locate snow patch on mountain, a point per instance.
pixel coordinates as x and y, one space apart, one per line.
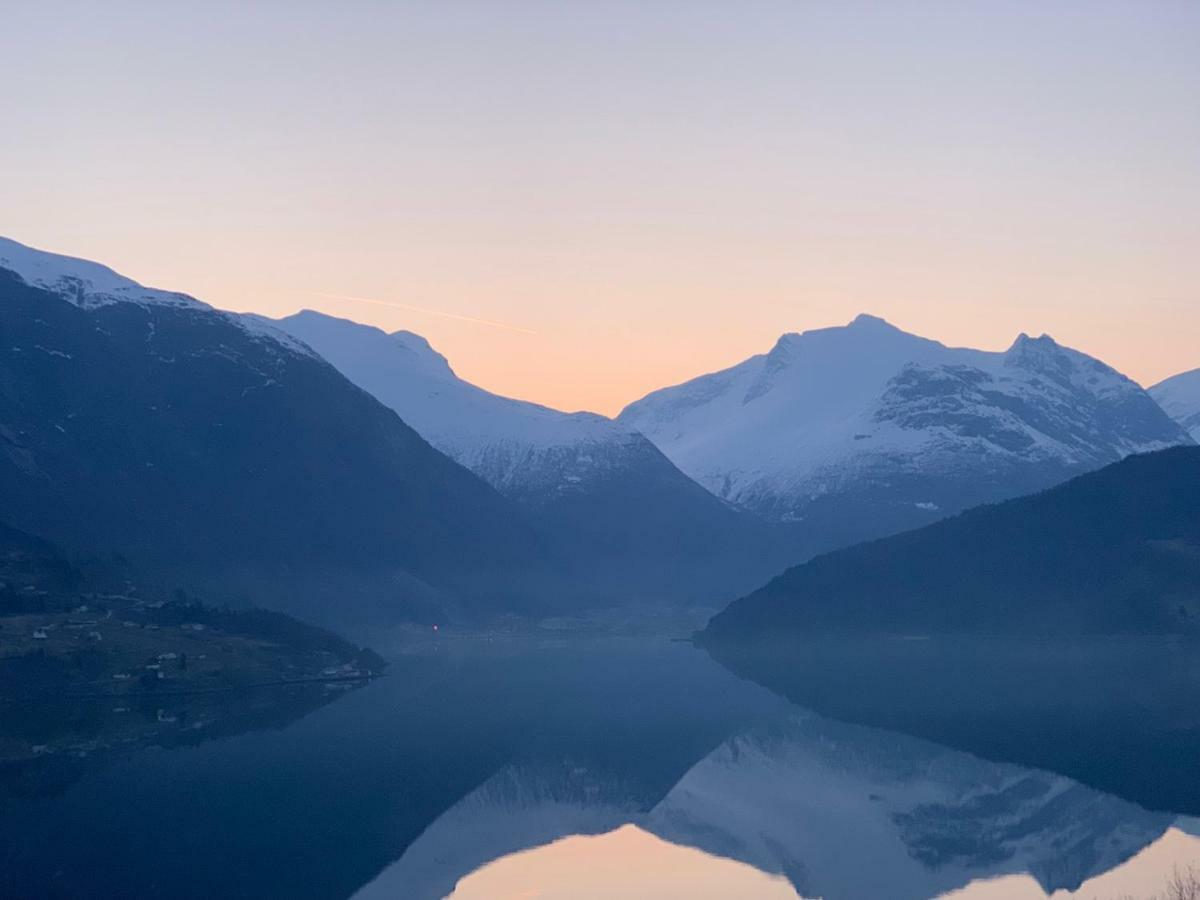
90 285
845 408
1180 397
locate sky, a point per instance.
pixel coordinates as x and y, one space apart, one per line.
578 203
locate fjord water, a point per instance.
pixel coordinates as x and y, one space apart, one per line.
641 767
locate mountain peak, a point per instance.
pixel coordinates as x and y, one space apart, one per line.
81 281
1043 340
338 339
90 285
1041 354
423 350
866 320
310 317
864 325
413 341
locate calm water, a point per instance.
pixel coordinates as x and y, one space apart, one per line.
638 767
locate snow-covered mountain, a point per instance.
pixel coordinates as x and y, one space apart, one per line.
524 450
846 811
632 526
865 429
211 451
1180 397
840 810
90 285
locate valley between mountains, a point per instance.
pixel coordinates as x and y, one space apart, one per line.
332 471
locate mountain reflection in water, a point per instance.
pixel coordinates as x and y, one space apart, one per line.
490 768
840 811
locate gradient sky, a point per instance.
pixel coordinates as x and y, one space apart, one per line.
644 190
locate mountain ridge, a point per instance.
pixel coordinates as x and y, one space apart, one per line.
621 515
865 430
234 461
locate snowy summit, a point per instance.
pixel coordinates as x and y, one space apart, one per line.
89 285
899 422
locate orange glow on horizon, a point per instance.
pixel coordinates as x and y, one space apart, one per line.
656 191
612 344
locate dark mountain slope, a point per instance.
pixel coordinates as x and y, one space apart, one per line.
229 461
633 529
648 533
31 571
1117 550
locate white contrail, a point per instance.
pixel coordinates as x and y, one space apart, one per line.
430 312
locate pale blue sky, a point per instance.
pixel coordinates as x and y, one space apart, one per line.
655 188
